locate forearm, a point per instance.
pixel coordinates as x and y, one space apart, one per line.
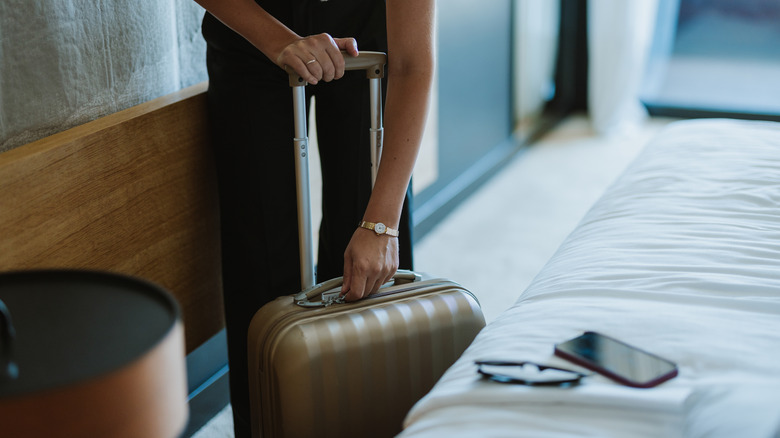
251 21
410 73
406 109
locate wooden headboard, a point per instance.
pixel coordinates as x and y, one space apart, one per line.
133 192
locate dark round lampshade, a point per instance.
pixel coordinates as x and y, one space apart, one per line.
90 354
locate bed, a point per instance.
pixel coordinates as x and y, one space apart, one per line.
681 257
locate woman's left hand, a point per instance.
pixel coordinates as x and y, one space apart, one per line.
317 57
370 261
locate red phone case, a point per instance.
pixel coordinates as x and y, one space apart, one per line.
584 362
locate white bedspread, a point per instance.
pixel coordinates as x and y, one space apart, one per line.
681 256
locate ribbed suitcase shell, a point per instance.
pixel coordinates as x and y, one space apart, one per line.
355 369
351 369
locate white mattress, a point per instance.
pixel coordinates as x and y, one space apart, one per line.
681 256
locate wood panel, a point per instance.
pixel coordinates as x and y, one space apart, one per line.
133 192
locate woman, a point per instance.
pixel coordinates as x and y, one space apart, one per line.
250 107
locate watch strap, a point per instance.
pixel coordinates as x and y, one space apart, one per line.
379 228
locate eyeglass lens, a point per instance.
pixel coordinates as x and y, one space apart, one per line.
528 372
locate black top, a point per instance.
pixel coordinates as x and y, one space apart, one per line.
363 20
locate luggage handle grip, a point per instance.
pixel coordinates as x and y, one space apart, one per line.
372 62
303 299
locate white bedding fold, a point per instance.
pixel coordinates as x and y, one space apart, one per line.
681 257
666 400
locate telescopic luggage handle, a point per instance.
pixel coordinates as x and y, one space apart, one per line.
373 63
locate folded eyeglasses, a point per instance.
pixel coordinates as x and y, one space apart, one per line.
528 373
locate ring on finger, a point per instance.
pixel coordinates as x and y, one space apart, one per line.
312 61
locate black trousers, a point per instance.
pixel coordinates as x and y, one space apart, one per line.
251 118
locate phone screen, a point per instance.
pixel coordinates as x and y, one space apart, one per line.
617 360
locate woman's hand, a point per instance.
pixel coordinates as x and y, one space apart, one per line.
369 262
317 57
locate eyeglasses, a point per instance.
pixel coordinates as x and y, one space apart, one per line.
527 373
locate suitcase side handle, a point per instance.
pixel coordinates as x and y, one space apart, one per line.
330 290
372 62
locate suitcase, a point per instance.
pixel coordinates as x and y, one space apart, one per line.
319 366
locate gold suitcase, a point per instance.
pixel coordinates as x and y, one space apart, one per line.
320 367
354 369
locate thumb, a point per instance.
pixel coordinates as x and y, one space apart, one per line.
347 44
345 285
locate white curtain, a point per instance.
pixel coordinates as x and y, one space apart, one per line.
536 41
619 40
66 62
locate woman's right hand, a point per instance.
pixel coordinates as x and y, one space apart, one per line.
317 57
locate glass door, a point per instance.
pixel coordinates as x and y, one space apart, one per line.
715 58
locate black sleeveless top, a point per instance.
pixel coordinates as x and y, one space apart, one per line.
363 20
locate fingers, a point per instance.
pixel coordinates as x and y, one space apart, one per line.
317 57
347 44
346 285
369 262
357 290
356 282
362 286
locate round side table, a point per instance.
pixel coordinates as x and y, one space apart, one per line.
89 354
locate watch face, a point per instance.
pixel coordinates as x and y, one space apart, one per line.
380 228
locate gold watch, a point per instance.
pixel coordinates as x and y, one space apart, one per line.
379 228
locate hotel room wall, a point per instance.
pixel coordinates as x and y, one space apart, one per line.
64 63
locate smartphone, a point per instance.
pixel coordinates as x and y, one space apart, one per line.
617 360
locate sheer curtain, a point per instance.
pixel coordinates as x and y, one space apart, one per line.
535 42
66 62
619 40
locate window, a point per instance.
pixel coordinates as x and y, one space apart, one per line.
715 57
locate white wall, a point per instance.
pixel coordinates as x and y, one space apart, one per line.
66 62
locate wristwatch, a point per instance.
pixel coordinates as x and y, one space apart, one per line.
379 228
